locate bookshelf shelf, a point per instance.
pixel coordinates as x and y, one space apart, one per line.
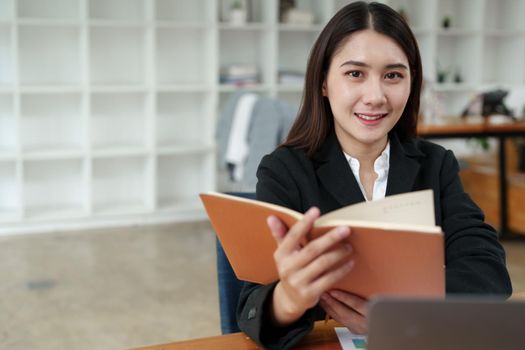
117 55
184 118
53 188
187 169
51 122
6 57
118 118
9 190
7 10
47 9
190 48
119 183
117 10
8 126
58 51
184 12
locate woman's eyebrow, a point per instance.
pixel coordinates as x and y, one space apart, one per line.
363 64
354 63
396 65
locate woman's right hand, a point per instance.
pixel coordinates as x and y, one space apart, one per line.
305 271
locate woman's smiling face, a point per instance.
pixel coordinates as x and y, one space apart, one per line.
367 85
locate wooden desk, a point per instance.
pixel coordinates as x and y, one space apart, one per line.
322 337
458 128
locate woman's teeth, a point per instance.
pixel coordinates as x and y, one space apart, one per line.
370 117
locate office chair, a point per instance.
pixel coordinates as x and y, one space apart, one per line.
229 285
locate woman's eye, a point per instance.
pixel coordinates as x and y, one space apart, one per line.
354 74
393 75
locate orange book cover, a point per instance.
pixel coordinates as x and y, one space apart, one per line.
397 248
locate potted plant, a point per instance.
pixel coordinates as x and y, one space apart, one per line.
458 78
238 14
441 74
446 22
479 142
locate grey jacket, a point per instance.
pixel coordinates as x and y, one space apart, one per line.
269 125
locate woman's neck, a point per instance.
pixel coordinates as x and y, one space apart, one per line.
365 154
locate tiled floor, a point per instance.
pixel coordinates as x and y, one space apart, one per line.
119 288
110 289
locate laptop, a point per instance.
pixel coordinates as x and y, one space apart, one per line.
451 324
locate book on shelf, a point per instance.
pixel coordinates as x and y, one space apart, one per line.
239 74
397 248
291 77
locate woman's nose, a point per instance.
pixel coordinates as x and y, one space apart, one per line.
373 93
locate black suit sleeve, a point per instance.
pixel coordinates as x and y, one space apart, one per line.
275 184
475 260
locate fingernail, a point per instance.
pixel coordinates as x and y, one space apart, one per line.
312 211
343 231
334 294
271 222
349 248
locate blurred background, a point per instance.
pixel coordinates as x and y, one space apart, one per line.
115 114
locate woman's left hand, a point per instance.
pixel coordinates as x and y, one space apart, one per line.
348 309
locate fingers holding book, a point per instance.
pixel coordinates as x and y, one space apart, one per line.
295 238
306 268
346 308
321 255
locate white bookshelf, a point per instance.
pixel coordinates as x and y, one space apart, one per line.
108 107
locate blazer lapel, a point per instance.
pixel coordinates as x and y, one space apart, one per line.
335 174
404 166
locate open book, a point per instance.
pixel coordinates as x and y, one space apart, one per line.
397 248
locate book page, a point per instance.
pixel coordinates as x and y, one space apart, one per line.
413 208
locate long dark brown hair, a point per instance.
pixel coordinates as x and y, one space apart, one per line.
315 119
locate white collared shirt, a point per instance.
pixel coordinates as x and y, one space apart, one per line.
381 166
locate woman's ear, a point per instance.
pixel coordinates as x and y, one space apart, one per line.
323 89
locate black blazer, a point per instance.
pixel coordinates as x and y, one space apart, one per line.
475 260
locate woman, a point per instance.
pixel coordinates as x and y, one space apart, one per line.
354 140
